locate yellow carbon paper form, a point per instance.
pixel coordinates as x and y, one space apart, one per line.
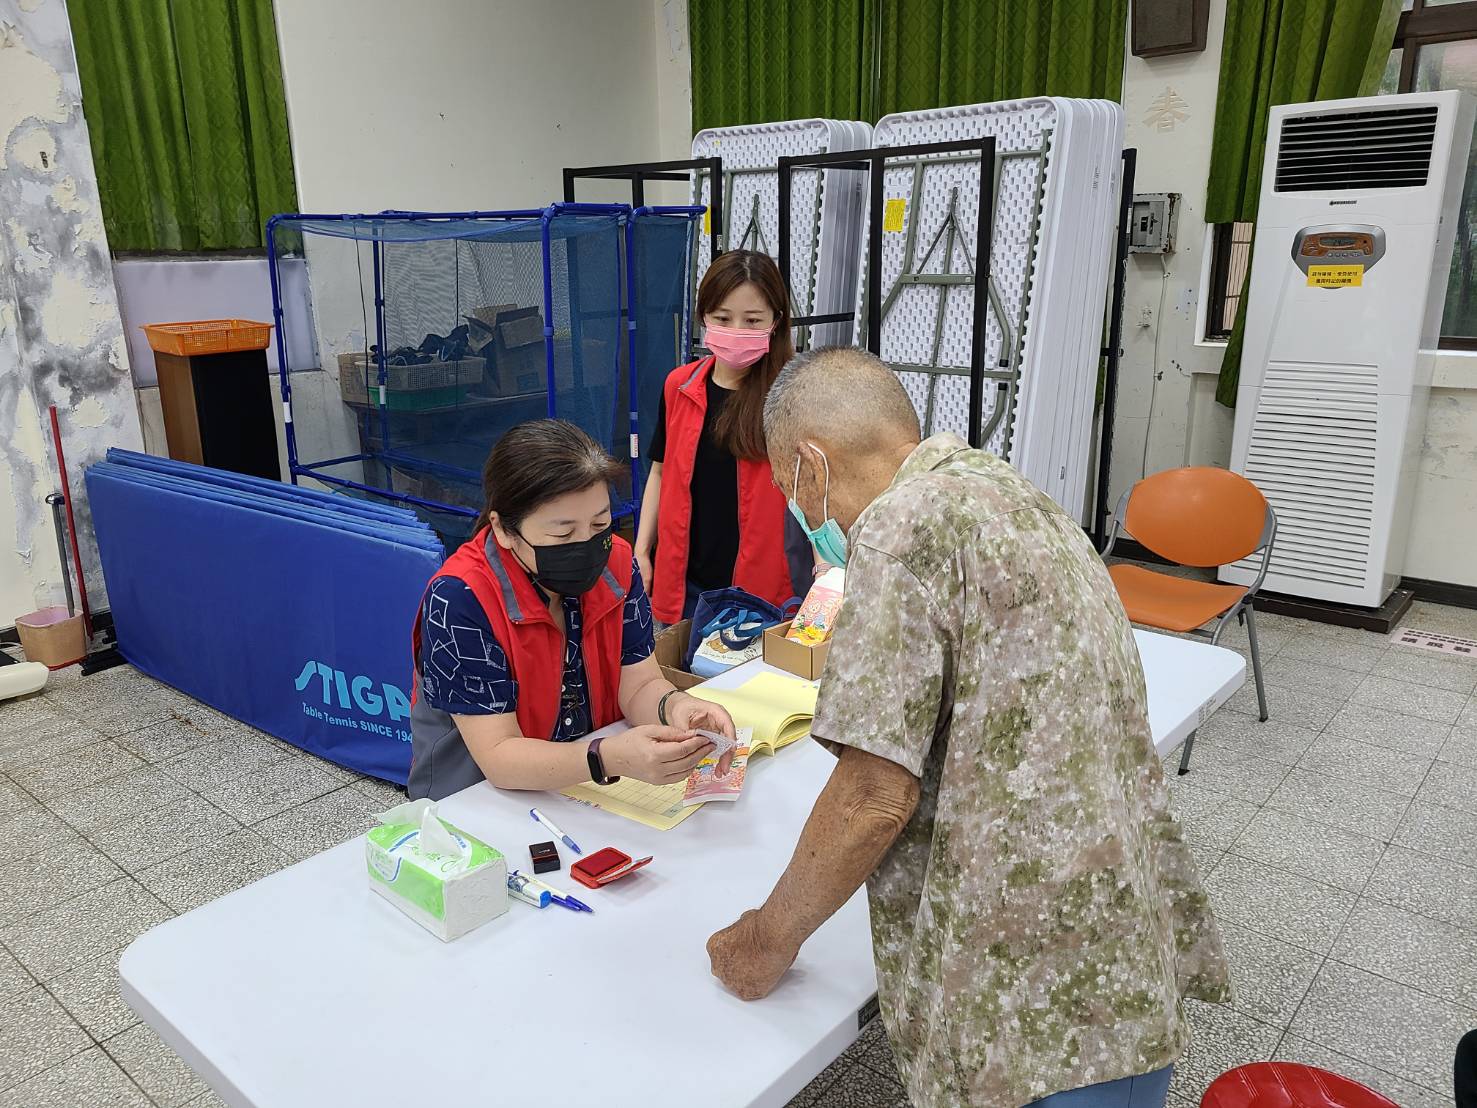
779 709
658 806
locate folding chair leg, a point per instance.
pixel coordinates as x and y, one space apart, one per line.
1185 754
1256 663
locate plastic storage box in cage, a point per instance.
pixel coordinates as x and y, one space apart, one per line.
455 327
1055 193
827 207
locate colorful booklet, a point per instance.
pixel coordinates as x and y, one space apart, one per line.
704 784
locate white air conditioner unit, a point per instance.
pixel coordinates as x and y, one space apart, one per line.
1353 244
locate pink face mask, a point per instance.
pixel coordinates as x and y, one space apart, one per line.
735 346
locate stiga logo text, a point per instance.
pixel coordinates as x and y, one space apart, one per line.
337 690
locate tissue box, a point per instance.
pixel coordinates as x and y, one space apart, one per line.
447 891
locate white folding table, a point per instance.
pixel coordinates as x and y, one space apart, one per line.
1187 680
306 989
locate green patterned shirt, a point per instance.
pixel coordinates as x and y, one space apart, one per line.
1038 920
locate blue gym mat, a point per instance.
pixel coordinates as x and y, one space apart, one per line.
285 608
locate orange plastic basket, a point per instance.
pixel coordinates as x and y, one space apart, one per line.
208 336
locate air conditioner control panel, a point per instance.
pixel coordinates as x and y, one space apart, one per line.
1338 244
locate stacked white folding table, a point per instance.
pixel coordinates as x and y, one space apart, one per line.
306 989
1055 193
1054 213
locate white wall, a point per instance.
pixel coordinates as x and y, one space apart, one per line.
1444 528
1173 156
61 342
458 105
673 71
1187 426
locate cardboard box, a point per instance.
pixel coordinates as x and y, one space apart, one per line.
671 646
515 362
520 371
518 360
520 328
793 657
481 322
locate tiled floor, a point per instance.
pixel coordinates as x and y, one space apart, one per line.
1339 842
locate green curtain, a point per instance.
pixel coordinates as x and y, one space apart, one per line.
933 53
185 108
1282 52
757 61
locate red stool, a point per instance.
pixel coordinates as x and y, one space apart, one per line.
1289 1085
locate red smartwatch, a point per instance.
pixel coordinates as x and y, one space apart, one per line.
597 764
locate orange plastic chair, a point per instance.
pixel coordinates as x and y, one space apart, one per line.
1196 516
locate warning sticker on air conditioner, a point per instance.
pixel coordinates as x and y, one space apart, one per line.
1335 276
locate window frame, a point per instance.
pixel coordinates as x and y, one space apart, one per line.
1422 26
1222 240
1215 287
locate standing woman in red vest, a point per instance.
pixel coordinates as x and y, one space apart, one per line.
538 631
711 515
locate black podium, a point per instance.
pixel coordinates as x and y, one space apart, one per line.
218 411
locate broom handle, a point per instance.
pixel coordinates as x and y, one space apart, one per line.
61 464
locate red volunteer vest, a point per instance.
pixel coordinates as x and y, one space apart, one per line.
534 645
761 567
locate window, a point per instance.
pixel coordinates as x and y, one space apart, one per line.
1436 48
1230 255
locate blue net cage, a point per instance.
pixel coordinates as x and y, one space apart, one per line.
662 248
461 325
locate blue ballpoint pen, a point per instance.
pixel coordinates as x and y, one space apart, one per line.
580 905
547 822
564 900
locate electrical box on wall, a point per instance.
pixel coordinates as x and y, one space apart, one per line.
1152 229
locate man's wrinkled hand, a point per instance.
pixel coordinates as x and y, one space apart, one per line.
748 959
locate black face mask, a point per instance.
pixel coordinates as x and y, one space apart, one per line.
572 568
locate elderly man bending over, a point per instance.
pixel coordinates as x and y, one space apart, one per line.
1036 915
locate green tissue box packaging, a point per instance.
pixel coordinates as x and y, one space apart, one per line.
438 875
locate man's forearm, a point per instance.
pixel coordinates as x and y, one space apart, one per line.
856 819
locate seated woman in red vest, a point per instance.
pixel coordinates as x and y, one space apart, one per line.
539 628
711 515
